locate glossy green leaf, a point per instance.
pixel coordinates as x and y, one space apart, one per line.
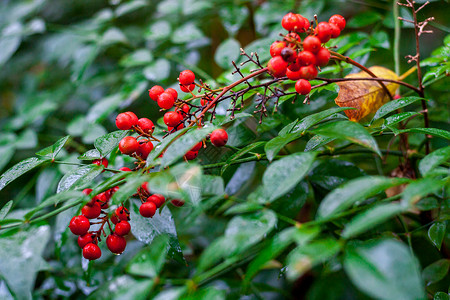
19 169
384 269
212 185
317 141
277 143
283 175
364 19
303 258
181 146
227 51
431 131
105 144
21 259
162 146
123 287
436 233
394 105
355 190
434 159
133 182
397 118
351 131
79 177
53 150
441 296
5 209
150 260
371 218
54 200
6 154
240 154
90 155
418 189
436 271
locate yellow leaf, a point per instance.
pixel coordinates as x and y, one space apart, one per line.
367 96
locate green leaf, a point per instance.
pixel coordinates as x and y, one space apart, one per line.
436 233
162 146
123 287
384 269
105 144
277 245
54 200
212 185
182 145
316 142
241 153
186 33
303 258
133 182
389 122
79 177
6 153
227 51
140 57
434 159
10 40
355 190
150 260
436 271
371 218
277 143
441 296
241 233
21 259
90 155
19 169
5 209
364 19
431 131
283 175
350 131
128 7
418 189
52 151
158 70
394 105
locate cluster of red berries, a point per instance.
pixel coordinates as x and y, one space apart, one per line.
93 214
150 202
297 59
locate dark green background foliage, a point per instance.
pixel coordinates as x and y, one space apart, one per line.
67 68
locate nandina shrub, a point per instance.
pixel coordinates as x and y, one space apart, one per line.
251 184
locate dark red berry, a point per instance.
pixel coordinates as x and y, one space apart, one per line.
186 77
323 31
146 125
115 243
147 209
322 57
312 44
122 228
177 202
303 87
155 91
91 211
276 47
219 137
295 66
128 145
288 54
92 251
197 147
190 155
338 20
114 219
277 66
79 225
122 213
166 100
85 239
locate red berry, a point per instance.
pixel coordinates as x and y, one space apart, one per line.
206 100
323 31
306 58
102 161
79 225
125 169
91 211
186 77
144 186
190 155
219 137
147 209
276 47
308 72
177 202
292 22
292 38
338 20
115 243
173 92
155 91
128 145
305 24
335 31
177 128
157 199
322 57
172 118
166 100
312 44
197 147
145 147
303 87
122 228
185 108
146 125
125 121
187 88
114 219
295 66
122 213
293 75
87 191
85 239
277 66
91 251
288 54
